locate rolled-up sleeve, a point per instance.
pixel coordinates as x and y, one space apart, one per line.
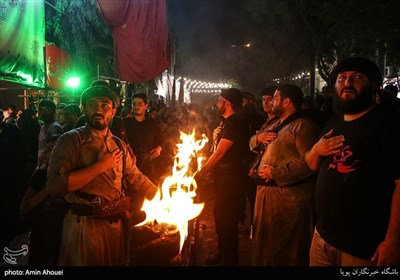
62 161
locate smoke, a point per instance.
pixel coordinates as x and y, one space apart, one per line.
204 31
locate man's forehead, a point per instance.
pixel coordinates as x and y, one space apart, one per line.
100 98
350 72
138 99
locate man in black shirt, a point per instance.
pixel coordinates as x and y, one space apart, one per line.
144 136
358 186
228 174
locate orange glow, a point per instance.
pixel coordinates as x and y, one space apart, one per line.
174 203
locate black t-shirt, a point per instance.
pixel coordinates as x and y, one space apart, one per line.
143 136
355 187
233 129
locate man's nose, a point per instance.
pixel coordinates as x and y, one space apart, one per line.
349 80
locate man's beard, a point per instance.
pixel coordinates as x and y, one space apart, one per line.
221 110
278 111
95 124
357 105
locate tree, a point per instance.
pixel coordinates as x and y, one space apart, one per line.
78 27
302 33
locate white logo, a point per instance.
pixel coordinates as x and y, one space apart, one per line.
10 255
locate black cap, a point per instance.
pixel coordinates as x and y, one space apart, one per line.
359 64
96 91
234 96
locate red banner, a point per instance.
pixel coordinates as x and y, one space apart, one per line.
140 37
58 62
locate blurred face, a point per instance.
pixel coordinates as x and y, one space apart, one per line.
245 102
154 114
354 92
139 107
99 112
45 113
60 116
266 103
277 104
221 103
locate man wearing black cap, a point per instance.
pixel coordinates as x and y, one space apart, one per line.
87 165
358 186
228 174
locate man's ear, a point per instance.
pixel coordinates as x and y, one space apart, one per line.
287 101
114 111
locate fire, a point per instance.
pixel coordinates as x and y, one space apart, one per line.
174 203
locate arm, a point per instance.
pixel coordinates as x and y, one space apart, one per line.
287 153
106 160
388 251
32 199
223 146
138 186
154 153
66 174
253 143
263 137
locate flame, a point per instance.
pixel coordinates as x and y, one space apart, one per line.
174 203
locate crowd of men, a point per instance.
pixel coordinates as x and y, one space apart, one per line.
322 179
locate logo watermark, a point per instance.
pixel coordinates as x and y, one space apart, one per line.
10 255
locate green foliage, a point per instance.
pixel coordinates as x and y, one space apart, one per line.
78 27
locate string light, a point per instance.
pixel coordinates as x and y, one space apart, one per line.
198 86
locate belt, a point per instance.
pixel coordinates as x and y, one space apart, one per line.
106 210
81 209
268 183
262 182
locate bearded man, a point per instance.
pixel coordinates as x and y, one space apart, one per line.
88 166
358 185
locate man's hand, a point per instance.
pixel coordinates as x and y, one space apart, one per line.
266 137
109 159
387 253
155 152
265 172
329 145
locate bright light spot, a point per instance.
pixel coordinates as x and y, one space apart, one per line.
73 82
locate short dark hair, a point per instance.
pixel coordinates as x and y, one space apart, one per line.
48 104
293 92
391 88
61 106
234 96
269 90
141 95
73 109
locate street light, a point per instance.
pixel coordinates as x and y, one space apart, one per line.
238 51
248 45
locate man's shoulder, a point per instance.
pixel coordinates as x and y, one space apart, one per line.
78 134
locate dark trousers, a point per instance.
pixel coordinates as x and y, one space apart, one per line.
45 238
229 209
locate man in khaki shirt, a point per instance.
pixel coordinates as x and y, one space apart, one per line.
87 165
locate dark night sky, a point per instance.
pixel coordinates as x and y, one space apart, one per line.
205 31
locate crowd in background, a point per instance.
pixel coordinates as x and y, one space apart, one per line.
151 132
